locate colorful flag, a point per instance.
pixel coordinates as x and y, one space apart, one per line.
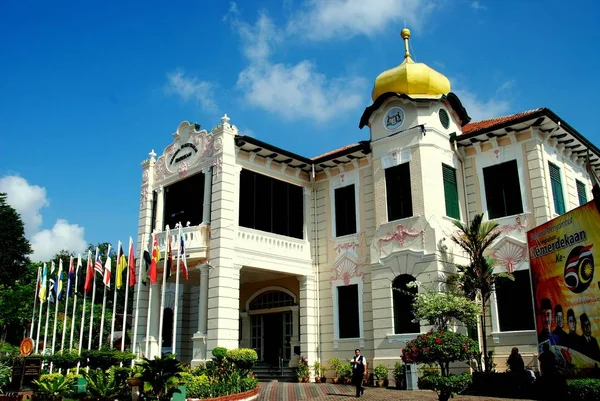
107 268
51 290
121 265
169 258
155 259
131 260
89 274
145 266
71 282
78 273
42 295
182 253
60 278
98 264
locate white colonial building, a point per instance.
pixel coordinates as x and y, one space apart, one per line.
292 255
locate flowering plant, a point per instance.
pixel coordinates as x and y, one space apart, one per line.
439 347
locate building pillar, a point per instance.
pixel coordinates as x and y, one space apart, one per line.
199 337
295 340
154 316
208 173
308 321
246 338
160 205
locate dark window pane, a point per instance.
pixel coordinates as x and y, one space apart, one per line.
502 190
450 192
581 192
403 300
271 205
349 324
515 307
557 191
345 211
398 192
183 201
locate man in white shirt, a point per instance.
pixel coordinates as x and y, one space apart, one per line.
359 371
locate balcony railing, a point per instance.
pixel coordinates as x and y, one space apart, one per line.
196 239
273 244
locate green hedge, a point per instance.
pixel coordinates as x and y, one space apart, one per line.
244 358
196 386
583 389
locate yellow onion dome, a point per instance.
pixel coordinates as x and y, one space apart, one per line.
410 78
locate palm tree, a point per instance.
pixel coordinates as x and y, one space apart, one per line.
477 279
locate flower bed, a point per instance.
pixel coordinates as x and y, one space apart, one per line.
249 395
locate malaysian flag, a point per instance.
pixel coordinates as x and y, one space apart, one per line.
182 253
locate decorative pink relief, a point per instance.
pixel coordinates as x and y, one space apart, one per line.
400 235
510 254
183 169
520 225
346 246
344 269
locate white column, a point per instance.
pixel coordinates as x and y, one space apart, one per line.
155 313
223 308
295 340
246 338
199 337
208 173
160 204
308 321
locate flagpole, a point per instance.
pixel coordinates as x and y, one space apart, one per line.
124 324
69 284
149 308
37 337
81 328
75 302
47 318
56 289
35 295
104 301
137 296
93 300
162 292
174 341
112 324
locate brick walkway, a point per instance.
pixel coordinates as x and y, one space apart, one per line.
336 392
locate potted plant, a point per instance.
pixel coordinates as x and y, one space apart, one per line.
161 376
347 373
135 377
101 386
317 370
322 372
303 370
380 372
398 374
336 365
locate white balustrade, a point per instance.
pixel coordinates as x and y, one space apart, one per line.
273 244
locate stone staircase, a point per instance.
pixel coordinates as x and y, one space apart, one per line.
266 372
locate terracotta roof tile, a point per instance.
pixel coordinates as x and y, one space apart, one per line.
335 151
489 124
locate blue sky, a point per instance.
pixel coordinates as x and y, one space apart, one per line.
87 90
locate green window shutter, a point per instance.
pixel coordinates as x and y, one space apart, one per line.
557 192
451 192
581 194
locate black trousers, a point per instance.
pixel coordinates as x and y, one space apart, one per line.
357 382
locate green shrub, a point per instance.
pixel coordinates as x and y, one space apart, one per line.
219 352
195 386
584 389
105 358
5 375
244 358
63 359
445 386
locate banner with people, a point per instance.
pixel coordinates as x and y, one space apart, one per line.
562 254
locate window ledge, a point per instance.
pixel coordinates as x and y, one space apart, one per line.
337 341
401 338
346 236
497 335
451 219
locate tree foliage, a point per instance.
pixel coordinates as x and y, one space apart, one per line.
477 279
440 309
14 247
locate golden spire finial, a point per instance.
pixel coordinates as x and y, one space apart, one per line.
405 34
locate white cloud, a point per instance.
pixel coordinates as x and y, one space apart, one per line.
28 200
344 19
293 91
481 109
191 88
476 5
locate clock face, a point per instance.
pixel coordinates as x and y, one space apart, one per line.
393 118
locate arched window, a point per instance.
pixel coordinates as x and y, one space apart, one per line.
271 299
167 329
403 300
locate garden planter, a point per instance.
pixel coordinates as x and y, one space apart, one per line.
305 379
135 382
317 380
335 380
323 379
379 383
250 395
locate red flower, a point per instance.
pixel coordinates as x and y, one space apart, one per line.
438 341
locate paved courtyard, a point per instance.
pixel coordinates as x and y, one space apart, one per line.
335 392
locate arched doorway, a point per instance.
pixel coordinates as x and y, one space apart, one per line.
271 320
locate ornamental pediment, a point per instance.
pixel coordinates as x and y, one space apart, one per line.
192 149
